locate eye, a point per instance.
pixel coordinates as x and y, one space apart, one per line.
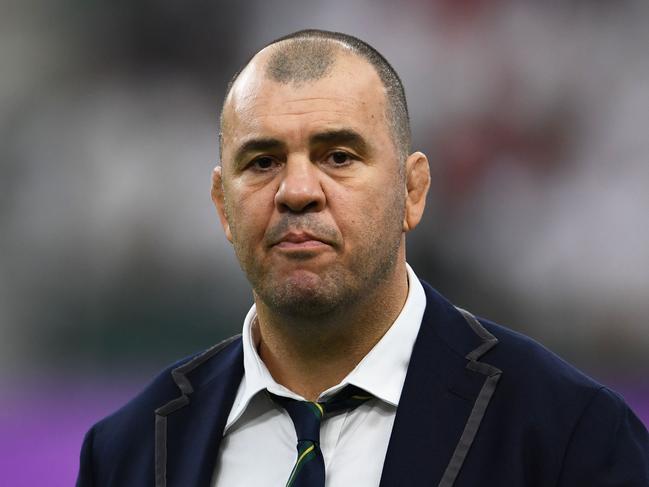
263 163
339 158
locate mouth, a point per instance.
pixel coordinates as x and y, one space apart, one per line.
301 241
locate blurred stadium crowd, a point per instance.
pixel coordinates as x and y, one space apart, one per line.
534 116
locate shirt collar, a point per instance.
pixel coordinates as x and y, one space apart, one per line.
381 372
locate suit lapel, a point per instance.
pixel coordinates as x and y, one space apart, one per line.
445 395
190 427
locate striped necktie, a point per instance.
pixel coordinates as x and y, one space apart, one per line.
309 468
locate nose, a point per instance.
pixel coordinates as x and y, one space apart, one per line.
300 189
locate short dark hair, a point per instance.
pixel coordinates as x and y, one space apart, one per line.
318 60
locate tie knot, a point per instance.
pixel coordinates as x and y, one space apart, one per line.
307 415
350 397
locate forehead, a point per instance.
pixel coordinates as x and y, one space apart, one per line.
350 95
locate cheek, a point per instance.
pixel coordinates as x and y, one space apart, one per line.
248 214
252 217
362 213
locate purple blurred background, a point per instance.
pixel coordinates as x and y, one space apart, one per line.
112 264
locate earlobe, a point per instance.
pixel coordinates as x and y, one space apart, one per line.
417 184
218 198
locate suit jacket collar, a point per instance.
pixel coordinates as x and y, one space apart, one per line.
444 398
189 428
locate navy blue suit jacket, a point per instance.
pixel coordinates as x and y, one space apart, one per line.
481 406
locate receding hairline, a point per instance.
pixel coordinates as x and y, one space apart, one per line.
297 61
267 57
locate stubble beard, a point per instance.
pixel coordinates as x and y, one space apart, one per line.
340 286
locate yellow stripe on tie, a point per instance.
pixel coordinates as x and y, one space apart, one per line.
361 397
297 464
319 407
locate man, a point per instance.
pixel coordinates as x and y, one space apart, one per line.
349 370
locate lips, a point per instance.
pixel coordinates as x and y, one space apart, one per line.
300 240
299 237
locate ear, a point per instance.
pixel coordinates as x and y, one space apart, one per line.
417 184
219 200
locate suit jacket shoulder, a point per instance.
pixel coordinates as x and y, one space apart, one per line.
120 449
586 431
484 405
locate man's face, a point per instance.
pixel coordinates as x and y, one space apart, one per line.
312 197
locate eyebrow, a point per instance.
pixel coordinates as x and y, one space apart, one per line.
257 145
346 137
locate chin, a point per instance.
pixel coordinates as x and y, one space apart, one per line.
303 293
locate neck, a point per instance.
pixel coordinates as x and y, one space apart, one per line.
310 355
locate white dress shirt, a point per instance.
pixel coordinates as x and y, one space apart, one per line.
259 443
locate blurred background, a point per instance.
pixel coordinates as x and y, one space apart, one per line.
112 261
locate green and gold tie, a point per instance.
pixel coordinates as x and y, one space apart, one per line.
309 468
